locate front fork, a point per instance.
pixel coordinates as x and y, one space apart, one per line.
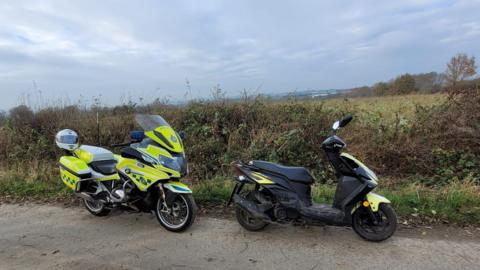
164 203
371 204
238 187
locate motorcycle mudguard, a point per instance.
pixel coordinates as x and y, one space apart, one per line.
177 187
173 189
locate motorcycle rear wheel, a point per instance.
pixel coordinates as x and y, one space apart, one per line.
96 208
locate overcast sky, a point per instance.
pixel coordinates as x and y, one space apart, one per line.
75 50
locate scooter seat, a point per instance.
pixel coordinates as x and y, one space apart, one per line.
295 174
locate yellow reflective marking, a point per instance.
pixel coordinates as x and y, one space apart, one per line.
261 179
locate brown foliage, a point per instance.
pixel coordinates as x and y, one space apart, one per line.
460 68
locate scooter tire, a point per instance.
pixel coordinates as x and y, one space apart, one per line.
387 231
243 218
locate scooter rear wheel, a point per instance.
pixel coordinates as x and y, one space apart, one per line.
363 225
247 221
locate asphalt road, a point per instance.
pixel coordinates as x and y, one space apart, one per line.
50 237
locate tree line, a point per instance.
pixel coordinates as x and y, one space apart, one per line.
459 74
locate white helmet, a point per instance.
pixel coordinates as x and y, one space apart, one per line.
67 139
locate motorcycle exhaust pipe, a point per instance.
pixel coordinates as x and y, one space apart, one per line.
250 207
88 197
84 196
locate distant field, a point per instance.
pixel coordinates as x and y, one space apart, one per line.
387 105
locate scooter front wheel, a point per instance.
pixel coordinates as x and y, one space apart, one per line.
363 224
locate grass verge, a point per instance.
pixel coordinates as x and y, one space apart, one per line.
457 203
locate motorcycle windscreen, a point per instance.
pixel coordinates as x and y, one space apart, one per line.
150 122
157 129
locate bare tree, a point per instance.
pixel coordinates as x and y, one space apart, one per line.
459 68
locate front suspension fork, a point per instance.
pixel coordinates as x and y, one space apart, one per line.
238 187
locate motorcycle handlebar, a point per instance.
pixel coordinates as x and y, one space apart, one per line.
120 144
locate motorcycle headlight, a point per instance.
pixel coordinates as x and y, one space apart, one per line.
169 163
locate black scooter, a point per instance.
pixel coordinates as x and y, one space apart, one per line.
282 194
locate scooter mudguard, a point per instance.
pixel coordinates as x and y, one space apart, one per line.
375 200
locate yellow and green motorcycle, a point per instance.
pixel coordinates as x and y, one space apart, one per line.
145 176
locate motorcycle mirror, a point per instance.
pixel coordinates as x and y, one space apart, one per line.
182 134
336 125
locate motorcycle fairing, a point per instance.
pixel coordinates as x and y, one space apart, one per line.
142 175
157 129
152 153
166 137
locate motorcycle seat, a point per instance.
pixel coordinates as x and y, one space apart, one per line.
295 174
100 159
106 167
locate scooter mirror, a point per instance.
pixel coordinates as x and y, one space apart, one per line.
336 125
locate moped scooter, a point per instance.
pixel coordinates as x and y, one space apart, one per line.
282 194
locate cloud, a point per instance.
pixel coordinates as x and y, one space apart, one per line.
150 48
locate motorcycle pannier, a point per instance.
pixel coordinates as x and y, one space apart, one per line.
73 170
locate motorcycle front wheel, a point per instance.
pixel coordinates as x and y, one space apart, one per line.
179 216
364 226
